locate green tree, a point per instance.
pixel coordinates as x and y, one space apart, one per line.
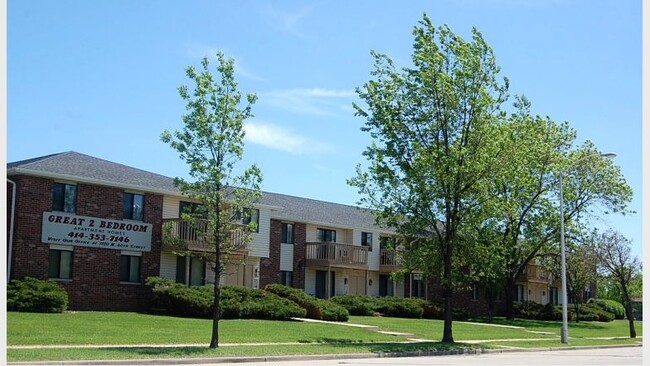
523 205
432 154
615 257
211 143
582 273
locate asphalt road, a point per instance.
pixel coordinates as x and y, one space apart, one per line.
627 356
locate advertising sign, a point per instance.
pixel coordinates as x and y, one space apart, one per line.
86 231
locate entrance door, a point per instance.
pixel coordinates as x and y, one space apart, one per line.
385 286
321 284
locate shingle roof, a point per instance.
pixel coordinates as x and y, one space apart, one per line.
77 166
319 212
74 164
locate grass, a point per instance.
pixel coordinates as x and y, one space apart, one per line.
616 328
295 338
96 328
432 329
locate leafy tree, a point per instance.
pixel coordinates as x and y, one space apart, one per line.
616 259
432 154
211 143
581 272
523 206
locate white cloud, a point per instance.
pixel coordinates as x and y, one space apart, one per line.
314 101
279 138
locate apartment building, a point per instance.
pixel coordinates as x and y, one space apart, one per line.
96 227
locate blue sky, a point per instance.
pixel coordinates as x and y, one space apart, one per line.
100 77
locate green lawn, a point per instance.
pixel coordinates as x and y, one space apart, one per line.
115 328
432 329
74 328
617 328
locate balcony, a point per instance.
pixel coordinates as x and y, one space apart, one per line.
195 236
535 274
337 255
388 260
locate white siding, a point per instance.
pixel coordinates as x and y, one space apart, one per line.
310 282
342 235
170 207
286 257
373 290
374 255
259 246
168 265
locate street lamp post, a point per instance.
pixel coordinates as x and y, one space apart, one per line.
564 336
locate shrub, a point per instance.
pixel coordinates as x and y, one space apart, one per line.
235 301
549 312
611 306
432 311
179 300
356 304
400 307
316 308
247 303
460 314
36 296
592 312
527 309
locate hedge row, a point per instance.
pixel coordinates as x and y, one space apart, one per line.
36 296
533 310
316 308
611 306
236 302
394 307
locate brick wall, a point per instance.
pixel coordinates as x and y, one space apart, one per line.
299 255
95 281
270 267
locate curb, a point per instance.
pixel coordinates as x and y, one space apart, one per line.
190 361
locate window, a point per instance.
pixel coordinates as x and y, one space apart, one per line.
475 293
60 264
196 271
555 296
133 206
130 268
286 278
326 235
366 240
64 197
521 294
249 215
287 233
418 286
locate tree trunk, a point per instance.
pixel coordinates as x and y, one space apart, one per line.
214 341
447 334
510 298
630 319
490 307
628 310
